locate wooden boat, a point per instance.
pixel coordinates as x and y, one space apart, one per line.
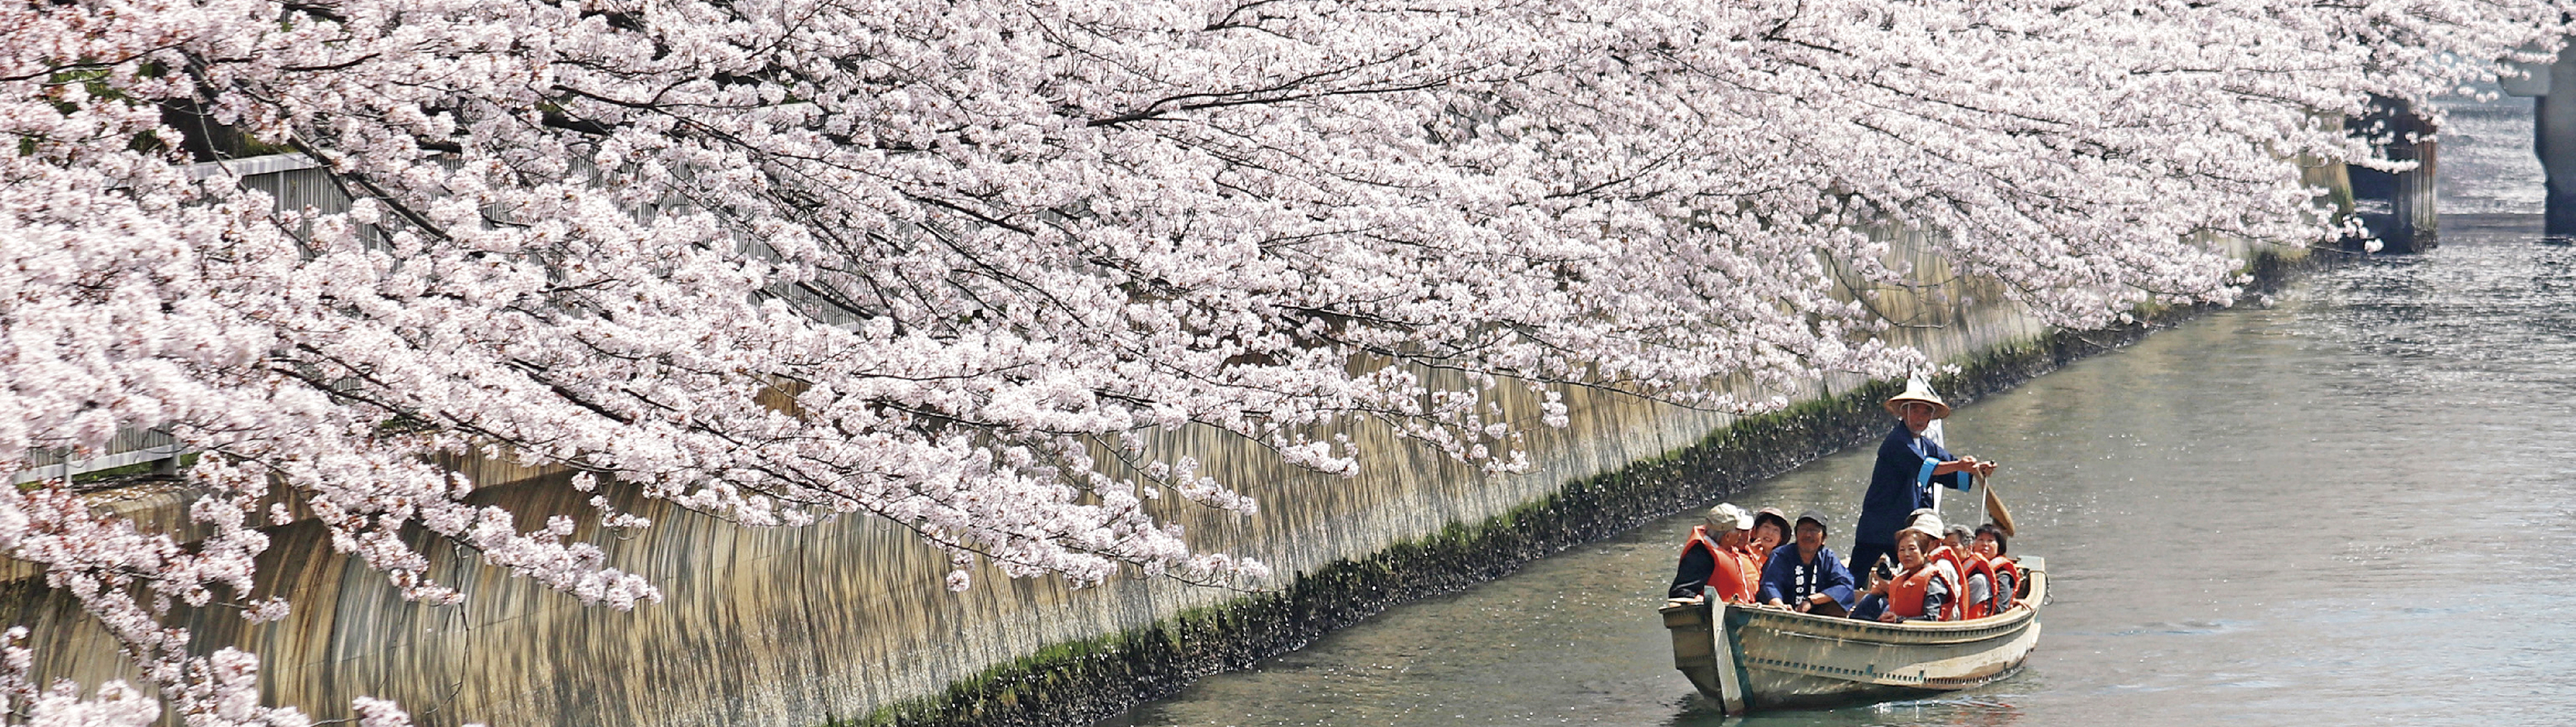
1774 658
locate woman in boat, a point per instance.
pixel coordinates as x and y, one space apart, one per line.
1925 589
1770 529
1991 545
1885 568
1908 465
1976 575
1715 557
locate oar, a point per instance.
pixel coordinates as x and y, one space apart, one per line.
1994 508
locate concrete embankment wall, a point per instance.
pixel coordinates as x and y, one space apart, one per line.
848 621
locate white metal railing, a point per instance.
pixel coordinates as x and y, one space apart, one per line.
73 467
139 445
252 166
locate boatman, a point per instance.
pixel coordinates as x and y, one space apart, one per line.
1908 464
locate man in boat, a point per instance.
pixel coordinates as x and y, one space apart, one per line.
1925 587
1908 465
1805 575
1715 557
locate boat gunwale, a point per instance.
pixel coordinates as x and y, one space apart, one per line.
1788 622
1694 625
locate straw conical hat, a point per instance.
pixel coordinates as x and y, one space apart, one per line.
1918 390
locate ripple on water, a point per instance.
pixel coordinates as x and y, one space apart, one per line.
2186 628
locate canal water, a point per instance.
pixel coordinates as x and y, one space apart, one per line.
2350 502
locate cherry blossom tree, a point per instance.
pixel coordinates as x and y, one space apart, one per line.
781 260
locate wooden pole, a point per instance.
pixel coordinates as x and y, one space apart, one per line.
1995 511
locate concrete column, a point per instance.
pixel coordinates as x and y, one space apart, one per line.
2399 208
2553 126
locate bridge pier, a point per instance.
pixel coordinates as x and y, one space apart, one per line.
2552 89
2399 207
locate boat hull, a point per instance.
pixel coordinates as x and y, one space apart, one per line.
1769 658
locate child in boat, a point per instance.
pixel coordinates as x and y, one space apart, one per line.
1925 587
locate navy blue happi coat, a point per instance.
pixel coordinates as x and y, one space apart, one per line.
1900 484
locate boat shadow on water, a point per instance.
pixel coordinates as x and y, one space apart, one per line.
1947 711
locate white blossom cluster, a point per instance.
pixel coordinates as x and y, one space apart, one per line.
779 260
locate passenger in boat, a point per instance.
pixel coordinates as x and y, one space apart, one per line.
1991 545
1715 557
1770 529
1885 567
1976 574
1924 590
1908 465
1806 576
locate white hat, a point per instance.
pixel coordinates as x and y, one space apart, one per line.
1918 390
1727 515
1929 525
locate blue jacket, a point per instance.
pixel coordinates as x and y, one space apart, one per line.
1788 579
1902 483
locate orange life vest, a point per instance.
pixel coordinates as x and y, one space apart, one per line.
1748 571
1958 607
2007 582
1981 609
1733 575
1946 554
1905 594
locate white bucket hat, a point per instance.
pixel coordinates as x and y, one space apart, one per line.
1727 516
1929 526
